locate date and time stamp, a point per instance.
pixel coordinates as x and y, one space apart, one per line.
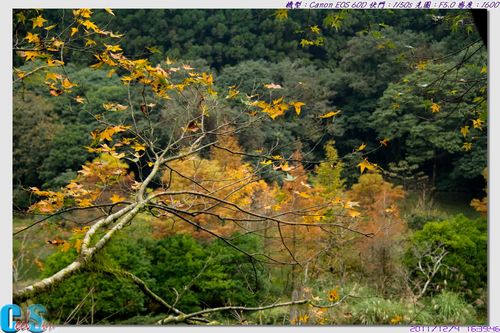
452 329
391 4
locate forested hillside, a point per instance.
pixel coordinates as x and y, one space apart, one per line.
250 166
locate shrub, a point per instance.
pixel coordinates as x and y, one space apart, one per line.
465 266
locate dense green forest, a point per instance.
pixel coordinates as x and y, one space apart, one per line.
250 166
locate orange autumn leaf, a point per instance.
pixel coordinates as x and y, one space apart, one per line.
67 84
116 198
435 108
108 133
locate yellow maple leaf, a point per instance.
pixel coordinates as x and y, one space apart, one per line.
116 198
32 38
50 27
67 84
83 202
353 213
83 12
484 70
80 231
57 43
21 17
284 167
113 48
467 146
20 74
362 147
90 25
169 61
305 42
232 92
266 162
330 114
52 76
138 147
435 108
120 107
281 14
90 42
114 107
73 31
120 155
477 123
304 318
298 107
109 11
54 63
464 130
367 165
112 34
108 133
277 109
31 55
207 78
260 104
315 29
384 142
79 99
38 21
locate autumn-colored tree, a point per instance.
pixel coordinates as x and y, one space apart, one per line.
315 238
378 201
223 175
297 240
341 210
